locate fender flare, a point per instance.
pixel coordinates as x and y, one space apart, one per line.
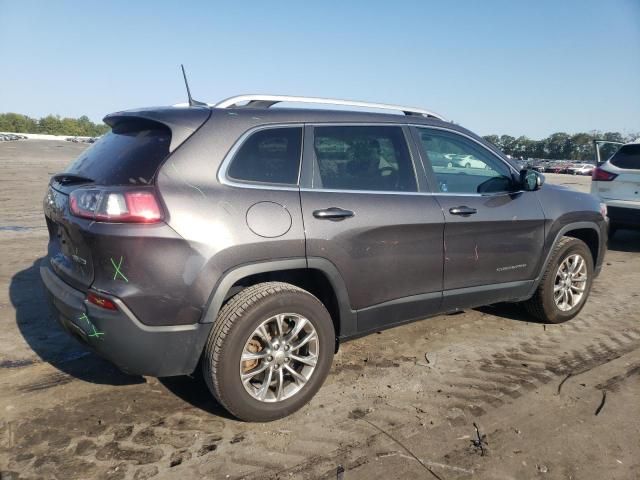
348 323
561 233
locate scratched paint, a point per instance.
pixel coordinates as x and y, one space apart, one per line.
118 270
95 333
173 166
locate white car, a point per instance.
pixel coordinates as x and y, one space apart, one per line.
584 169
617 183
465 161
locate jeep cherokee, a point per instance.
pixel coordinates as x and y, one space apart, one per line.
251 240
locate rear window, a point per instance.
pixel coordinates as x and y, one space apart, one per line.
269 156
627 157
129 154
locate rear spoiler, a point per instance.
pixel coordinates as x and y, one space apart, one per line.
182 122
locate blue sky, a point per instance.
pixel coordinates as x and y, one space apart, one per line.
511 67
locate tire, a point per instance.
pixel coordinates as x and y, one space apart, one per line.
467 165
236 327
450 165
543 305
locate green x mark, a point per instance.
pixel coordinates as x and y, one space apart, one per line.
118 272
96 333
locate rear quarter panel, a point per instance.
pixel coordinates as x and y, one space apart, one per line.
212 217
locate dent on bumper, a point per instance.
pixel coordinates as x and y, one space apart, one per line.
121 338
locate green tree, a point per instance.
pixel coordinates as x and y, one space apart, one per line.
507 143
494 140
51 124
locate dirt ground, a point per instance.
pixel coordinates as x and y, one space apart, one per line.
484 394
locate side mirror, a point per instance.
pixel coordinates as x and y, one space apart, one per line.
530 180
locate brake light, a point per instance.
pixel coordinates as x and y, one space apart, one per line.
600 175
101 301
104 205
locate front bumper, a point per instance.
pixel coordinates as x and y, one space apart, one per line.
120 337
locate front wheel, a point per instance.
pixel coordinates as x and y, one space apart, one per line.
269 352
566 283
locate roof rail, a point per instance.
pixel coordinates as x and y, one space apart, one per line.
266 101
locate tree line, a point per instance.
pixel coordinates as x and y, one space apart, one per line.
559 146
51 125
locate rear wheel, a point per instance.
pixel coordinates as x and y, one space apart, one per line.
566 283
269 352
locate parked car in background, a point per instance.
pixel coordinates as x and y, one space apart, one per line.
555 166
10 137
464 161
617 183
251 241
582 169
539 167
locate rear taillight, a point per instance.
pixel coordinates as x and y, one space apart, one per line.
600 175
101 301
104 205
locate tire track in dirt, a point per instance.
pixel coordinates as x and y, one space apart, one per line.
491 377
469 376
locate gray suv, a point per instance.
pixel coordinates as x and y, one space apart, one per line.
251 241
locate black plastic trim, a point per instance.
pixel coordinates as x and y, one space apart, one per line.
121 338
348 323
567 228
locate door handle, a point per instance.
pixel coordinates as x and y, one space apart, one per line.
462 210
333 213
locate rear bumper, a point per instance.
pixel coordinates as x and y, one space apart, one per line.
120 337
624 216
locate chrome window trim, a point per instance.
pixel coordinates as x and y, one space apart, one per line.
224 179
429 194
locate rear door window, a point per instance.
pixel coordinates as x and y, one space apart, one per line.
628 157
130 154
374 158
269 156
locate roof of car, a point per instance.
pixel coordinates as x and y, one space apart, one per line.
183 120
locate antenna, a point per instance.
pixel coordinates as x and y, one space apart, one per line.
192 102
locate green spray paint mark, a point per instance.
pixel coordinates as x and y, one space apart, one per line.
118 272
96 333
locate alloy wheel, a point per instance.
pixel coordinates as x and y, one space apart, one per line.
570 282
279 357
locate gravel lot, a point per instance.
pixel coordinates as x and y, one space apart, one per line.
554 402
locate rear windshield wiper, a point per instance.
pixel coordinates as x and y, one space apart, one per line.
70 178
